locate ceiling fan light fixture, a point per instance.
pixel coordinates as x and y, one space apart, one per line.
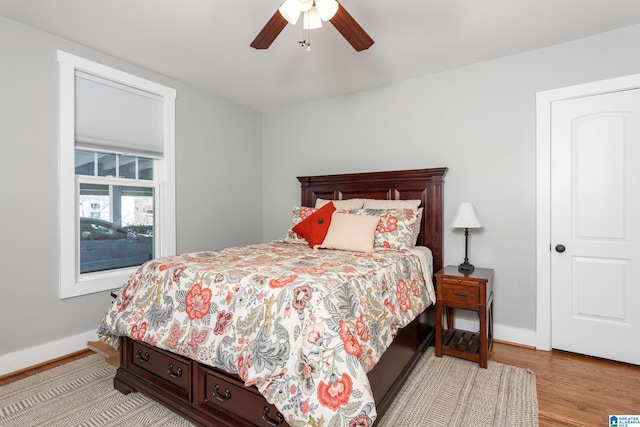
327 8
312 19
303 5
290 11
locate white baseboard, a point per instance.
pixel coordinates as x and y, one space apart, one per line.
43 353
501 332
52 350
526 337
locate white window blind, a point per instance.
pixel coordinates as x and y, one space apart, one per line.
114 117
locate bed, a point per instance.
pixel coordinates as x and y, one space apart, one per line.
222 389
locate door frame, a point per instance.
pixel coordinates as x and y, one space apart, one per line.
544 101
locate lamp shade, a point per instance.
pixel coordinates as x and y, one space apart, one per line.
466 217
290 10
312 19
303 5
327 8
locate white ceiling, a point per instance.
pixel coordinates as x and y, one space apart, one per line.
206 42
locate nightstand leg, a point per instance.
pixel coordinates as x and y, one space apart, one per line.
483 337
439 330
450 317
490 326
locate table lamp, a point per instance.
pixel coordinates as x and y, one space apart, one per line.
466 218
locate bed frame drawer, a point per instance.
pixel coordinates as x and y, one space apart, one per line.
162 367
224 393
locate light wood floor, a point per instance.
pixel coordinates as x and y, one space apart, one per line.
576 390
8 379
573 390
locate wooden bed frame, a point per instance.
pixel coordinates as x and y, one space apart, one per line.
208 396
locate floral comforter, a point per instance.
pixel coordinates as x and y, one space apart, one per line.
303 325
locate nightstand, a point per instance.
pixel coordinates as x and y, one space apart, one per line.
468 291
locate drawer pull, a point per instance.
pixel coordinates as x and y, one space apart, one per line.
460 294
218 396
142 357
176 374
268 420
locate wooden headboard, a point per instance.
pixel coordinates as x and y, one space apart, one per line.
424 184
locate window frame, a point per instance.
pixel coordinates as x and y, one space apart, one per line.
71 283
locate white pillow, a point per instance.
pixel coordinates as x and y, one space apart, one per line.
349 232
391 204
347 204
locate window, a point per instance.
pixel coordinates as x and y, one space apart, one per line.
116 221
117 178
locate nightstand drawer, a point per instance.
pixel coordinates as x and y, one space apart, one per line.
461 293
459 281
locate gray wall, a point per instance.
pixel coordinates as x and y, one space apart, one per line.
479 121
215 140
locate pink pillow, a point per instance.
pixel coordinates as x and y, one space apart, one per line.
314 228
350 232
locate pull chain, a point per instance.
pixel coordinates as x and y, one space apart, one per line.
306 42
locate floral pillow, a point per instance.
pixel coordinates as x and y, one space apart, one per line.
395 227
416 227
299 214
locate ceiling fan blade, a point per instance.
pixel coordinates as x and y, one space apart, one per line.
270 31
351 30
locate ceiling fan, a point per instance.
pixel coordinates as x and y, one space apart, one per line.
314 11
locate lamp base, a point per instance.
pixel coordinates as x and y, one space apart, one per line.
465 267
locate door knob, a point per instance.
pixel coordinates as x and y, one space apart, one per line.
560 248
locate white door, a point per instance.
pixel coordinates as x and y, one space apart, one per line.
595 225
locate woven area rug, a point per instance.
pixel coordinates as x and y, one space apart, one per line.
440 392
